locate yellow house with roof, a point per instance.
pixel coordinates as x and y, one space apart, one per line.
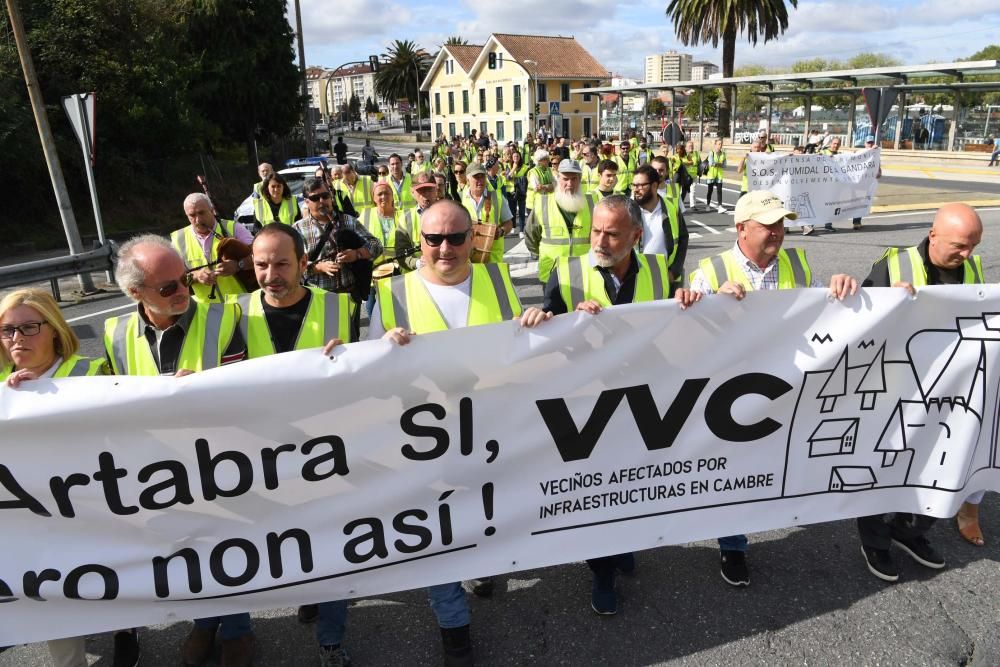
493 88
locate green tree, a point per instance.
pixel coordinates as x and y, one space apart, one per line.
245 79
354 107
693 106
403 64
712 21
655 107
456 41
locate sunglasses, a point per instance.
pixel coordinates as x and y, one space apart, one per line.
322 196
27 329
171 288
457 238
383 173
459 171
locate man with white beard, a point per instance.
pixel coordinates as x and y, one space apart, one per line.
559 225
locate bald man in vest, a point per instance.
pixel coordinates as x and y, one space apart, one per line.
755 262
943 258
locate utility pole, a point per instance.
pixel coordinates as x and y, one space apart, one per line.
306 120
48 143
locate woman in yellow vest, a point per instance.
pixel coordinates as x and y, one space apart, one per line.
36 342
517 189
716 170
276 203
693 166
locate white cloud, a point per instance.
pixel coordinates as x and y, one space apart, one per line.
547 17
327 23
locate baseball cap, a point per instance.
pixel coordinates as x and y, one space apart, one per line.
424 180
570 167
762 206
870 138
474 169
540 154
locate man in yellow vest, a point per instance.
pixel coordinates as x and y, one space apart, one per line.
358 188
611 273
943 258
198 244
664 231
419 165
478 198
539 179
626 166
447 292
756 262
264 169
560 224
172 334
401 183
590 161
607 184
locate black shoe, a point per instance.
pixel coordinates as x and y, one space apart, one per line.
828 227
880 563
308 613
126 649
857 226
625 563
734 568
456 644
921 551
603 598
482 588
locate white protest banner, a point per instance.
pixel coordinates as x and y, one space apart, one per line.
820 188
297 478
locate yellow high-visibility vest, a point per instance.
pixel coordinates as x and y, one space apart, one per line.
193 254
914 272
793 270
557 239
328 317
74 366
579 281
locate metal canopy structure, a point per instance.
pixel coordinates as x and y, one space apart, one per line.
817 84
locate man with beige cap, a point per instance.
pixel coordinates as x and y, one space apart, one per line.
755 262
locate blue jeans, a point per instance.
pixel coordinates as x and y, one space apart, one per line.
233 626
449 605
733 543
331 622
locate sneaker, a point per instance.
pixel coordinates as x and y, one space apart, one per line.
625 563
126 649
521 234
807 230
829 227
921 551
198 646
857 226
238 652
333 656
308 613
482 588
603 598
721 208
880 563
734 568
456 645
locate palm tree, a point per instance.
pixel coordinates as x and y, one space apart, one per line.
403 64
704 21
456 41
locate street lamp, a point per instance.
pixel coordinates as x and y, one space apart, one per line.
532 93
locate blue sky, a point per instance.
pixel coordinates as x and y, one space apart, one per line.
621 33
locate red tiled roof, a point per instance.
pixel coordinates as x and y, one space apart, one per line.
557 57
465 54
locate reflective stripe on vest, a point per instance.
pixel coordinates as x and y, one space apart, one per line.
914 272
405 302
207 336
75 366
403 198
671 207
328 317
557 240
361 195
193 254
793 270
286 210
590 179
579 281
544 177
496 210
402 220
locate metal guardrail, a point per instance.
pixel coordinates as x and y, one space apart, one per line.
53 268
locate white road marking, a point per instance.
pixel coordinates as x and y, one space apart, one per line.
101 312
702 224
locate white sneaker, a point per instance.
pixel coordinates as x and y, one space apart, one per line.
721 208
521 235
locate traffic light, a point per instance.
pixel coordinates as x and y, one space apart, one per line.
373 63
493 60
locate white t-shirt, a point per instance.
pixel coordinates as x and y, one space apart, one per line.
653 241
452 302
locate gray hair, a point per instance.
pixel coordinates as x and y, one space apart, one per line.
618 203
128 273
197 197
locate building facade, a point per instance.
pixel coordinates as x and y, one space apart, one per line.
669 66
702 70
495 88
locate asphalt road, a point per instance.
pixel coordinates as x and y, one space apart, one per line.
812 601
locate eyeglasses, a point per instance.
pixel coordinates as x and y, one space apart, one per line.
456 238
27 329
171 288
459 171
383 173
322 196
640 185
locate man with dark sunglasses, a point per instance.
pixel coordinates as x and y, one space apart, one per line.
446 292
169 334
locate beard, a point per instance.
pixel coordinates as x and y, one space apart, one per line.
605 259
571 203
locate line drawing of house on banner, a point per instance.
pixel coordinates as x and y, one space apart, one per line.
871 422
